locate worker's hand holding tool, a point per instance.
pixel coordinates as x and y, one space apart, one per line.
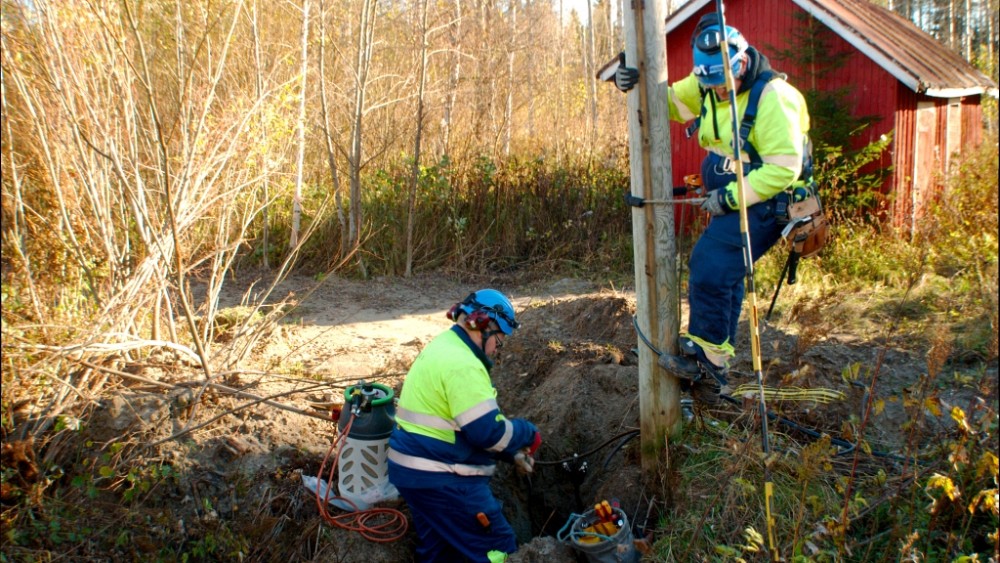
715 203
524 462
625 77
524 459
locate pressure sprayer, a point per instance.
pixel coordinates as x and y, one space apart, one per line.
362 463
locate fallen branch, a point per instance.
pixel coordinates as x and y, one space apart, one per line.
224 389
265 400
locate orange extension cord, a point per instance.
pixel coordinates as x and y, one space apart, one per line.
381 525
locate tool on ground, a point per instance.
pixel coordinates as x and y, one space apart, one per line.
359 453
602 534
751 290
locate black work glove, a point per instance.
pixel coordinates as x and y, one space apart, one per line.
625 77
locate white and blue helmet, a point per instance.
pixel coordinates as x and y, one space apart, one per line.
707 55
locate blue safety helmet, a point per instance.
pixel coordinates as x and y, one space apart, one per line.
496 306
708 68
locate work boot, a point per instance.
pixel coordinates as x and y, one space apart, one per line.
705 379
707 392
709 388
681 367
687 346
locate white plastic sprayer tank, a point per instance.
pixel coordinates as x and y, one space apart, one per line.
362 466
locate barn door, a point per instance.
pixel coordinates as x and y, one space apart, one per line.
953 135
925 159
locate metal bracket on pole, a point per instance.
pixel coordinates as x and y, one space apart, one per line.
636 201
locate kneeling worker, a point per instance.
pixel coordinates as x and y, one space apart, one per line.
450 432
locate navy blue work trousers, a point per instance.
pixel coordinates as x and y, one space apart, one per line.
717 266
447 527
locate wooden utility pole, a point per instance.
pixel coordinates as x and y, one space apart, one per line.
654 243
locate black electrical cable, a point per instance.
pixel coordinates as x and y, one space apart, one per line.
629 433
635 323
614 450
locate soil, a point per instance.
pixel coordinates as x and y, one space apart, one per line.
571 369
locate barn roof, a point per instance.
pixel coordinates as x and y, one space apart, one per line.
905 51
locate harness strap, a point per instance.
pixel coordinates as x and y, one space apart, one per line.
750 115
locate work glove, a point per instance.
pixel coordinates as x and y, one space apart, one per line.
715 203
524 463
625 77
535 443
524 459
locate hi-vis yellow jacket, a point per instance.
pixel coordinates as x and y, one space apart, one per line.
779 134
448 424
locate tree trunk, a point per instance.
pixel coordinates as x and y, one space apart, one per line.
414 182
293 238
591 71
259 89
453 76
331 155
363 56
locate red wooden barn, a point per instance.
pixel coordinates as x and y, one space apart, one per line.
929 96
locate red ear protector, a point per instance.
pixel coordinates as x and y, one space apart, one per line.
476 320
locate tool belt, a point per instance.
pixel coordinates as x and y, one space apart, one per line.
807 229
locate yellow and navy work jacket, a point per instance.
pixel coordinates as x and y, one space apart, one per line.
779 134
448 424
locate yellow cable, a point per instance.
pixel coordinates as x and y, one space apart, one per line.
819 395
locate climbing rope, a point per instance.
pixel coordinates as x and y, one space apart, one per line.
380 525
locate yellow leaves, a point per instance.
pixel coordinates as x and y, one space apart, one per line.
945 486
988 499
933 404
988 465
879 406
746 487
958 415
851 373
